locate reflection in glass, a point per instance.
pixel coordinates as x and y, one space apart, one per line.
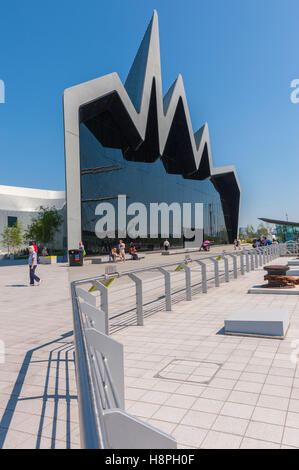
105 174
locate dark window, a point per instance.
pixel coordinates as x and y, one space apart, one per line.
11 221
105 174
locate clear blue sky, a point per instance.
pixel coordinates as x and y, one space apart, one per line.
237 58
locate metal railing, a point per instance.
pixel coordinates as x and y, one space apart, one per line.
104 424
99 358
291 248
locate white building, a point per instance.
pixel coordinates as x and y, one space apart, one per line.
22 204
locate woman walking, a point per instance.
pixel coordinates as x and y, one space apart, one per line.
122 252
32 266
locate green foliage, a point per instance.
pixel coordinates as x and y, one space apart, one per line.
12 238
262 230
6 238
250 232
44 226
16 236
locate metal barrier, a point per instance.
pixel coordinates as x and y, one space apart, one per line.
291 248
104 424
99 358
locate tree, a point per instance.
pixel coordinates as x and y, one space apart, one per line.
12 238
16 236
43 227
6 238
262 230
250 231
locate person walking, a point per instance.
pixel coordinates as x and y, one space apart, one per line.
34 246
166 245
122 252
45 251
32 266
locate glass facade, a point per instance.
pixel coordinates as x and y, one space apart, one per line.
287 233
105 174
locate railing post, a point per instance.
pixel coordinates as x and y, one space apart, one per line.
104 302
267 255
216 271
226 271
251 260
256 259
139 299
188 281
242 263
204 284
167 284
263 254
247 261
235 268
260 252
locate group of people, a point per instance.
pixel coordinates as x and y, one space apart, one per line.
263 241
120 251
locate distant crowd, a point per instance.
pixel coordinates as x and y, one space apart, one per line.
262 241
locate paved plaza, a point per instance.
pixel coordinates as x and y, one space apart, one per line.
38 398
210 390
182 374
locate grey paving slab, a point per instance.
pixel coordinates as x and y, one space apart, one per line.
255 390
38 396
253 399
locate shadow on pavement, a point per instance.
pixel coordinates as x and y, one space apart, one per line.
60 359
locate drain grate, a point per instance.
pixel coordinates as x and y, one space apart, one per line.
189 371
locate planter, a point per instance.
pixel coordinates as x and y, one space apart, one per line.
48 259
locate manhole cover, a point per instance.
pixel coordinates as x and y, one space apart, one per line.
184 370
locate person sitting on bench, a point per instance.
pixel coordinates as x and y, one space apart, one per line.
133 252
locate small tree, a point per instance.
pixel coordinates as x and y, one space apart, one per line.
250 231
44 226
6 238
11 237
16 236
262 230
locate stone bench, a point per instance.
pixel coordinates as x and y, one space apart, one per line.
270 323
47 259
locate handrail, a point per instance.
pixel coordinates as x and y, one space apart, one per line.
93 427
89 429
164 265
